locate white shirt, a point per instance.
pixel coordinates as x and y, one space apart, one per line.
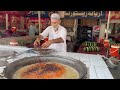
61 32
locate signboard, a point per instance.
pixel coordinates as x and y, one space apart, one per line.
96 28
114 15
9 12
43 20
13 13
85 14
44 14
61 13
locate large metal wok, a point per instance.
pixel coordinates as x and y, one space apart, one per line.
14 66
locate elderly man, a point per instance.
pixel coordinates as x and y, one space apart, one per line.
56 34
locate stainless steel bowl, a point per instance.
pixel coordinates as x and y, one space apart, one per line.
113 62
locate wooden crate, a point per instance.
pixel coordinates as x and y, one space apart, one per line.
67 22
89 22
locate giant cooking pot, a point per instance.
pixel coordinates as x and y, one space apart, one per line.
14 66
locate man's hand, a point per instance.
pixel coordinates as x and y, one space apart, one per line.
36 43
47 44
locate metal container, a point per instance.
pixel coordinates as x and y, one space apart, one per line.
14 66
113 62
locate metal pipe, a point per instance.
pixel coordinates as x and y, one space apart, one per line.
39 21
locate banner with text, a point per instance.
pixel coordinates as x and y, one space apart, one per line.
85 14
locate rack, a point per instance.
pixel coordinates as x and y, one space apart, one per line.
85 33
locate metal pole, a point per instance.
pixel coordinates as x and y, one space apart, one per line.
6 21
108 22
39 17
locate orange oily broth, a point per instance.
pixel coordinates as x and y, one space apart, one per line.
67 73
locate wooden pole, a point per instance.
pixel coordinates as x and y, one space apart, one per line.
108 22
6 21
39 20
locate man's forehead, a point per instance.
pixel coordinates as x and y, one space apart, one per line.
54 20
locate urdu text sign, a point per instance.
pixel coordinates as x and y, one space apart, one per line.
85 14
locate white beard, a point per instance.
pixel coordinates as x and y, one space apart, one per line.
55 28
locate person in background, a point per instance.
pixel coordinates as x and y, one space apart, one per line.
56 35
32 29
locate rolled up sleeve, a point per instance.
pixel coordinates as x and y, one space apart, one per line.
45 33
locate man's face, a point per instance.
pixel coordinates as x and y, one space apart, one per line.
54 23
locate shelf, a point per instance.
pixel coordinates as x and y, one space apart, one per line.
86 33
